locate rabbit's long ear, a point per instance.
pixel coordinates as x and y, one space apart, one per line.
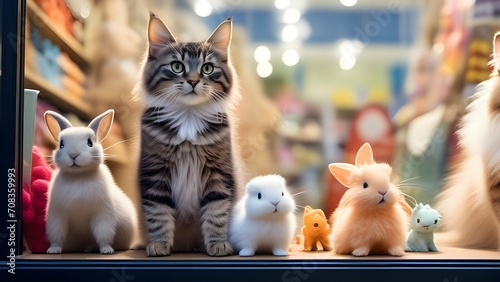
364 155
101 125
342 172
55 123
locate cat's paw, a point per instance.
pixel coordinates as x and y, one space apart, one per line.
361 252
280 252
106 250
220 249
158 249
396 251
54 250
247 252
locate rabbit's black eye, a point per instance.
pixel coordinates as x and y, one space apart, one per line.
418 220
435 221
89 143
259 196
365 185
282 194
61 144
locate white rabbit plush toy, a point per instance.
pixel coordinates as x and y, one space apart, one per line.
86 210
424 220
263 221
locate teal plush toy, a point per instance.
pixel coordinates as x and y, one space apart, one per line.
424 220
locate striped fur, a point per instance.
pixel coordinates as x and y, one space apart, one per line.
188 170
470 204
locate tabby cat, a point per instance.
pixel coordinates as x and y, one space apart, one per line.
188 171
471 203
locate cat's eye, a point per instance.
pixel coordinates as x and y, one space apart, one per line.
89 143
418 220
177 66
435 221
61 144
207 68
259 196
365 185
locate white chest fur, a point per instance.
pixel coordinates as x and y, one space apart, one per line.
187 184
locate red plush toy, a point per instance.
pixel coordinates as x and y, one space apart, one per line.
35 204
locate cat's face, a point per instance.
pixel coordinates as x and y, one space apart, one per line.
187 73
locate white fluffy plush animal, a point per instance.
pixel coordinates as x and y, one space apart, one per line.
263 221
86 209
424 220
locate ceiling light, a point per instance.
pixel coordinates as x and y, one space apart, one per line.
203 8
290 57
281 4
289 33
291 16
264 69
348 3
347 62
262 54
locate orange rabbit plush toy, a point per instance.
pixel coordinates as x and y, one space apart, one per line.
372 216
315 229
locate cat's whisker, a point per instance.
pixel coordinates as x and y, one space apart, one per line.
117 143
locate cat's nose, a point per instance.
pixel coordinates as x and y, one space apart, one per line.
193 82
275 203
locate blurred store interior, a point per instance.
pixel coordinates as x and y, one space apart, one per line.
318 79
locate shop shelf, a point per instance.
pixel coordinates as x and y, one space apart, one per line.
56 96
66 41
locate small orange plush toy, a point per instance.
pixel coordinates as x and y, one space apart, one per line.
315 229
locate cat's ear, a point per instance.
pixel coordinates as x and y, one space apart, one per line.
496 52
221 37
158 35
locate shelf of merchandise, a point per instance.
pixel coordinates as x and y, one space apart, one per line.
66 41
56 96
